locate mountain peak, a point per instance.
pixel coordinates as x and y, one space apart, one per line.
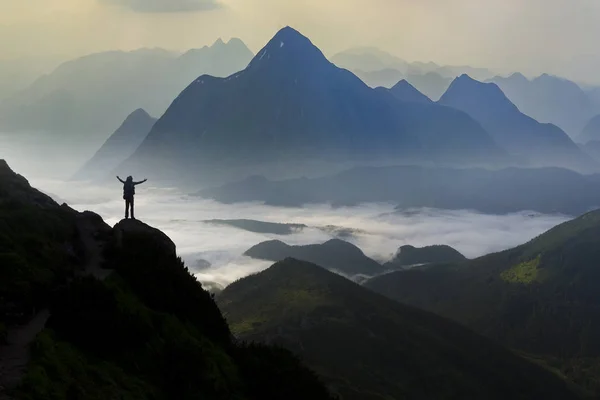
465 83
402 83
218 42
518 76
237 42
130 134
289 32
139 116
404 91
466 79
477 98
291 48
139 113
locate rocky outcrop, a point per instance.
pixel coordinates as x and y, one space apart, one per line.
132 229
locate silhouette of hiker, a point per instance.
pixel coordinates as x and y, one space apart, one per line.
128 193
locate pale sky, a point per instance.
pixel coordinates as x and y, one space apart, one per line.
531 36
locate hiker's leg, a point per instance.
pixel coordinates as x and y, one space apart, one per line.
131 202
126 208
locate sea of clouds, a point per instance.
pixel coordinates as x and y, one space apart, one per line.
379 229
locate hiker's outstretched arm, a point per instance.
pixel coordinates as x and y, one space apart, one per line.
137 183
121 180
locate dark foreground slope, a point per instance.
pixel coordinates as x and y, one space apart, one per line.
369 347
541 297
39 246
547 190
148 330
336 255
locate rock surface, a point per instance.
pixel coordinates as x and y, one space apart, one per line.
128 229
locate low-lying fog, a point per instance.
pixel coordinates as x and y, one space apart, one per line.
379 231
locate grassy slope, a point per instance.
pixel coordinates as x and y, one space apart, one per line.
541 298
369 347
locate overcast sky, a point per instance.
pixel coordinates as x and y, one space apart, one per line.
532 36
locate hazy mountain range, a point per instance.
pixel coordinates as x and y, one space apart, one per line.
432 84
292 110
406 92
118 146
546 190
550 99
292 104
94 94
18 73
89 94
540 144
591 132
372 59
379 68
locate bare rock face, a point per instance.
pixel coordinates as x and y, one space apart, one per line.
132 229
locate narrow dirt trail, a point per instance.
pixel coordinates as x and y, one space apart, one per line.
15 355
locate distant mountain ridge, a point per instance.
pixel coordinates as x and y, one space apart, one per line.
542 144
591 131
369 59
546 190
404 91
118 146
373 59
379 68
291 103
92 94
551 99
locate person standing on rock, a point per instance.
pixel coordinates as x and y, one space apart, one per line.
128 193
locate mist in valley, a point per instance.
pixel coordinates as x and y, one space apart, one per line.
378 229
